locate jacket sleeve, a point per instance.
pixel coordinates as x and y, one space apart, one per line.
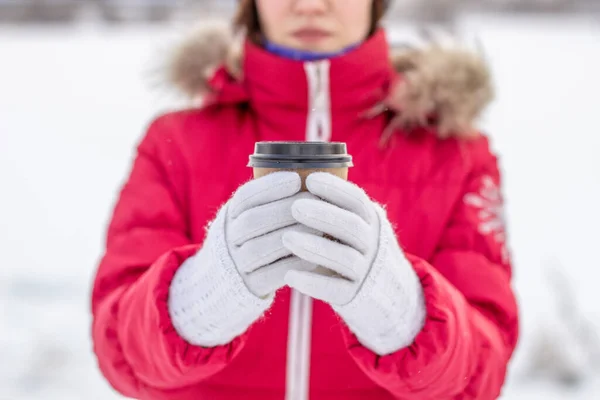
137 348
471 326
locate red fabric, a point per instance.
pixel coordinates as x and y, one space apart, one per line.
190 162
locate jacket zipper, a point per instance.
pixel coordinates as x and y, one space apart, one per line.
318 129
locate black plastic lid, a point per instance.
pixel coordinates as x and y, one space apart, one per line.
296 155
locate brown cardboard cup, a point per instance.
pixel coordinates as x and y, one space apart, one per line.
301 157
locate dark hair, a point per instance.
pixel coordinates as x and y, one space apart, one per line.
246 18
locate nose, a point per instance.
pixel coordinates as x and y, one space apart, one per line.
311 7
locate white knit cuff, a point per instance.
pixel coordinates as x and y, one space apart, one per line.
389 310
209 302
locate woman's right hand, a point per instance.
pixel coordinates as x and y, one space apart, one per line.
219 292
258 215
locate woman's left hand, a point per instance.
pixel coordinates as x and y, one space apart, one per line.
364 274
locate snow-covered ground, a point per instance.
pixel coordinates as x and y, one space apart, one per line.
74 101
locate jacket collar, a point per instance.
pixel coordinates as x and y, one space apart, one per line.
446 87
283 91
355 85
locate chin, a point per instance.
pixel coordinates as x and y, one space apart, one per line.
316 47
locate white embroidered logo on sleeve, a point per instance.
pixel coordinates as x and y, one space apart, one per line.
491 215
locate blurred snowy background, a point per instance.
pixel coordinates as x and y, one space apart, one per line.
77 90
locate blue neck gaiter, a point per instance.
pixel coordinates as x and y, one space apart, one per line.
304 55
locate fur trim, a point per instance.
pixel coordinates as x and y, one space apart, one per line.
195 60
450 85
453 85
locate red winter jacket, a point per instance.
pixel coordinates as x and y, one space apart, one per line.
441 194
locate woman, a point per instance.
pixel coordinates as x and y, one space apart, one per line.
235 308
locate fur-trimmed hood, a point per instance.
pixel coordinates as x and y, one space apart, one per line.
450 84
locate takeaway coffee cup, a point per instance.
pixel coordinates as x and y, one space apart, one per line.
302 157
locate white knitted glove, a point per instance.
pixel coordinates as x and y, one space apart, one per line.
219 292
364 275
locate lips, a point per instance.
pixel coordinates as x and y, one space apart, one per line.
311 34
